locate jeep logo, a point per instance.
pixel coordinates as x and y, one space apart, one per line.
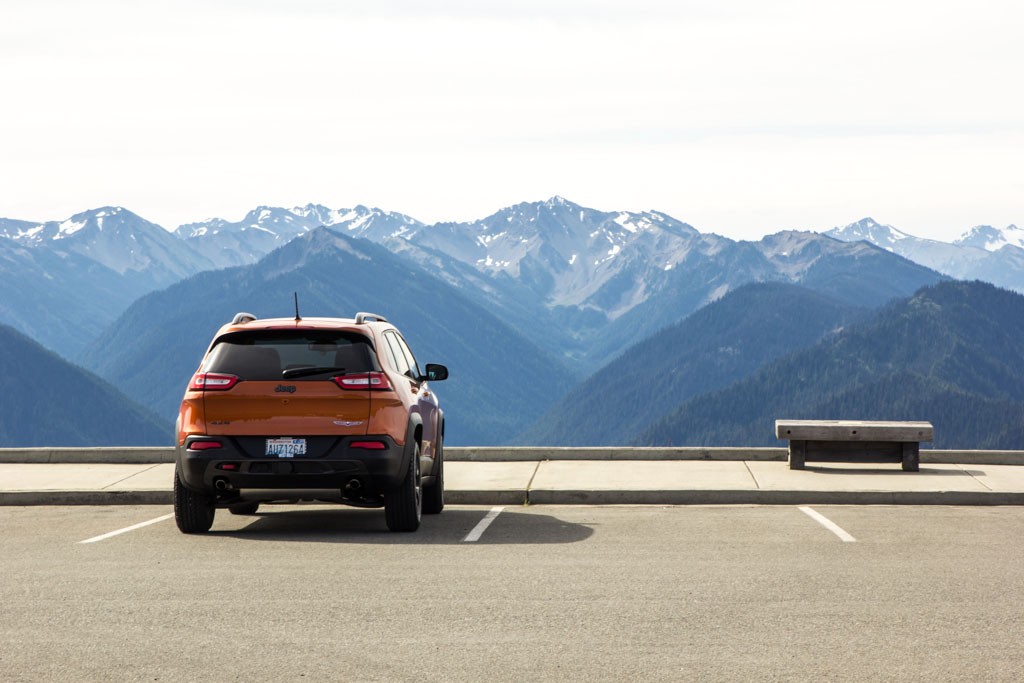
284 389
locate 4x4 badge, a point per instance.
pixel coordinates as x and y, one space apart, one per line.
284 389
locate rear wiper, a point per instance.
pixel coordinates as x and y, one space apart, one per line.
305 372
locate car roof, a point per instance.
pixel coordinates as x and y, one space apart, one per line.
245 321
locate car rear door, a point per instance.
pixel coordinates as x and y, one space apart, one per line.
290 384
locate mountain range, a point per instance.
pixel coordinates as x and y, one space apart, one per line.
524 304
586 283
982 253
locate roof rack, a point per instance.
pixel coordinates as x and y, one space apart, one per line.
242 317
361 317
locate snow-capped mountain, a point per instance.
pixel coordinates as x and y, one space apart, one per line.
992 239
572 267
63 281
870 230
266 228
115 238
982 253
569 255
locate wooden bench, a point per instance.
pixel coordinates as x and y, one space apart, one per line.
853 441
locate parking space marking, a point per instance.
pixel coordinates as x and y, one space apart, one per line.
478 531
125 530
828 524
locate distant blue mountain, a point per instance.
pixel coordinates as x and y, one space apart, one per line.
714 347
952 354
46 401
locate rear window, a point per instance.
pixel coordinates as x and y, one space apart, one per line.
295 355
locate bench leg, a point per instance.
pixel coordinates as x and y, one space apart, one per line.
912 457
797 454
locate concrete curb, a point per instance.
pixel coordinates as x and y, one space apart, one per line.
91 456
520 497
132 455
26 498
764 497
540 453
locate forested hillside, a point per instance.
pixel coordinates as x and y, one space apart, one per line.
712 348
46 401
953 354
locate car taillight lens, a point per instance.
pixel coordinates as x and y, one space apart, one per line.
204 445
212 381
374 381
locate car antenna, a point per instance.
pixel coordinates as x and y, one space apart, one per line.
297 318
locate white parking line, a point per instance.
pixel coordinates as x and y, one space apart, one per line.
125 530
828 524
478 531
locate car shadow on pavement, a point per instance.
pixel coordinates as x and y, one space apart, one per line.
513 526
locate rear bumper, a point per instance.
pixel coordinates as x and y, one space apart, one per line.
228 470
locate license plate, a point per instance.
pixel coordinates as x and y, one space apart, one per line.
286 447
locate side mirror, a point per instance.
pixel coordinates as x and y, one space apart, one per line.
435 373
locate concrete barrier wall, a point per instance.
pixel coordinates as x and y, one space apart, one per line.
137 455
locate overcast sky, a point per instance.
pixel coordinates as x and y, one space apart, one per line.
740 118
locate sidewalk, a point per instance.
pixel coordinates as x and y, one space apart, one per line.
587 482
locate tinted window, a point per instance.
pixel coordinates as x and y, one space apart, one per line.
401 364
266 354
409 357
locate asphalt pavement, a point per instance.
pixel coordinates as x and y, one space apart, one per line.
543 593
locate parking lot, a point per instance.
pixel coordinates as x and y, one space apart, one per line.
515 594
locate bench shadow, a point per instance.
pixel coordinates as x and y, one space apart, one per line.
881 470
355 526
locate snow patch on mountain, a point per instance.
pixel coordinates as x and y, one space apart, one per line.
266 228
982 253
991 238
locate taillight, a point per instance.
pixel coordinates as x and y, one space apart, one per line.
204 445
369 445
373 381
212 381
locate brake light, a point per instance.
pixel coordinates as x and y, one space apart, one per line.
212 381
204 445
373 381
369 445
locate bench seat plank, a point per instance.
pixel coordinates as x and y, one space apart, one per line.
853 430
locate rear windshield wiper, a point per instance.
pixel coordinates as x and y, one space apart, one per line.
305 372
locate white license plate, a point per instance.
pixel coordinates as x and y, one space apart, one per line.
286 448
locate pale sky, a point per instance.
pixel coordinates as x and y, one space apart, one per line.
738 117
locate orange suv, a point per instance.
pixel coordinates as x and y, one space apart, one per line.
324 409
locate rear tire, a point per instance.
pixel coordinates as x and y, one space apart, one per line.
404 505
244 508
193 512
433 496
